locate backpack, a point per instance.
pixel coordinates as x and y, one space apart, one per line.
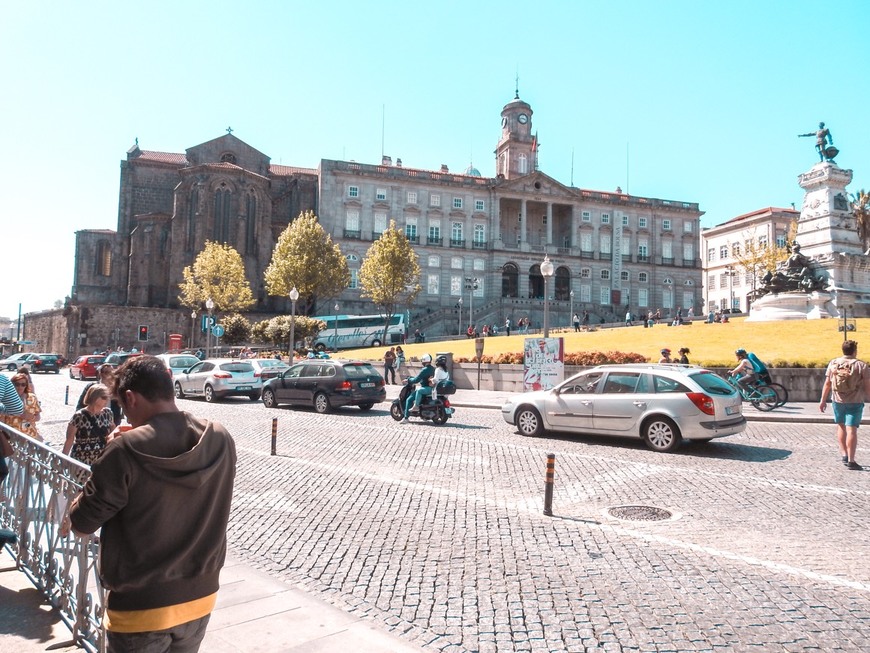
845 376
757 365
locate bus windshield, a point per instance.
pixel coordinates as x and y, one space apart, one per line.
354 331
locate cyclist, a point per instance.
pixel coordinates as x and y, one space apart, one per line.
412 405
744 371
666 356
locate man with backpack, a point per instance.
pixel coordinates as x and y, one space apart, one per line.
847 383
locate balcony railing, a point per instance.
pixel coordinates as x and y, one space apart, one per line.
587 254
40 485
642 258
478 244
604 256
435 242
413 239
349 233
457 242
667 261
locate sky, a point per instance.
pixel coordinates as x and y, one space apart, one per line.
686 101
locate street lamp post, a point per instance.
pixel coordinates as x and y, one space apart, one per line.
547 272
192 327
209 304
459 304
294 296
335 324
471 285
730 288
571 309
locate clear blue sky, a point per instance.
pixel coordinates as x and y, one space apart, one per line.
703 99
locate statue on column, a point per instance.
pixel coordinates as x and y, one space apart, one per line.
824 143
793 274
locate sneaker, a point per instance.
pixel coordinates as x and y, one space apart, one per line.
845 460
854 465
405 421
415 411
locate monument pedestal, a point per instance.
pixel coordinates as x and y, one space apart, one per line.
794 305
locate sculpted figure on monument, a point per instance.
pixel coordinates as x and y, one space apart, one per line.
823 141
793 274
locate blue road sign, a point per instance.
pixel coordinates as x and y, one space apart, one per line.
217 331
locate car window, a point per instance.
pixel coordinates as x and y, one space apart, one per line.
183 361
270 363
357 371
327 371
582 385
620 383
238 368
202 367
664 384
712 383
294 372
96 360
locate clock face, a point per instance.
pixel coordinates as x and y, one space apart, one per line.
504 122
523 118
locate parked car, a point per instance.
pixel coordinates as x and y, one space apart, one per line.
326 384
118 358
268 368
218 378
45 363
178 362
17 360
661 404
85 367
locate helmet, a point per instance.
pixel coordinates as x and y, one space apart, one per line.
741 352
425 358
666 351
441 360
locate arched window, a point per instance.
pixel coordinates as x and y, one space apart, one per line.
104 259
510 281
562 280
523 164
228 157
536 282
221 232
250 223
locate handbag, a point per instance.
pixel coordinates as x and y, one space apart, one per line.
6 449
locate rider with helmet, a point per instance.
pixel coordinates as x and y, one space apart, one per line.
745 372
666 356
412 405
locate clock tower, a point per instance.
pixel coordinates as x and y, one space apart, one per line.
516 153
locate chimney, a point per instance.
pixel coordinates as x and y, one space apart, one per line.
398 163
444 168
386 160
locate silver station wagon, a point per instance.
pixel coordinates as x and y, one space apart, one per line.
659 403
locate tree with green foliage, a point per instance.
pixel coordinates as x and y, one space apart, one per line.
218 273
306 258
756 258
390 273
861 213
237 329
277 330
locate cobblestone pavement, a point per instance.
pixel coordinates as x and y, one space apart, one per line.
438 532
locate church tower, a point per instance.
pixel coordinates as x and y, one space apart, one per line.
516 153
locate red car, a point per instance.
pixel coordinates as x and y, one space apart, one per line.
85 367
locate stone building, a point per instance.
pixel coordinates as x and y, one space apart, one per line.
486 235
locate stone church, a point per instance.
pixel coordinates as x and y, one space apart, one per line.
479 239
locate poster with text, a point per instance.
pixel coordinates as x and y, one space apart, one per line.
543 363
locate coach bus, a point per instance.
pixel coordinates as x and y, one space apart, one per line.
356 331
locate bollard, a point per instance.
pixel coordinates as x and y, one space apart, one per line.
274 436
66 397
548 484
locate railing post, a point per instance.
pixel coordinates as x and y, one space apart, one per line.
274 436
548 484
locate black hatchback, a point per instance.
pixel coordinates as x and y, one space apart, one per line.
326 384
45 363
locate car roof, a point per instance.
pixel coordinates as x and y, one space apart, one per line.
661 367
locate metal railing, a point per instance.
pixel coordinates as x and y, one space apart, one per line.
36 493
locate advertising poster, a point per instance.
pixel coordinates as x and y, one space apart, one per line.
543 363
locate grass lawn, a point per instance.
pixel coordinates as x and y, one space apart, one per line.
805 343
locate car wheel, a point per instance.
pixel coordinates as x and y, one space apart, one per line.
269 400
254 396
71 375
321 403
440 416
661 434
11 367
57 371
529 422
396 412
366 406
209 394
179 393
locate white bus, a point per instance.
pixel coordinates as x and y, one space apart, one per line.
355 331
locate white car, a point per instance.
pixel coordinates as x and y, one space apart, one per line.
178 362
17 360
217 378
268 368
659 403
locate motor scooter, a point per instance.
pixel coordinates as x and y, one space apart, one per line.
435 407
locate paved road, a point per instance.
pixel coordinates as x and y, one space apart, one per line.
438 532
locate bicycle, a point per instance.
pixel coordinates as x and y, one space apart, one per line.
762 397
781 393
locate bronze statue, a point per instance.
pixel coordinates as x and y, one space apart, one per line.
823 141
795 274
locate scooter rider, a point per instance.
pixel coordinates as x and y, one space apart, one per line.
424 389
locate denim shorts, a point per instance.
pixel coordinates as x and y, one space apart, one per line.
848 414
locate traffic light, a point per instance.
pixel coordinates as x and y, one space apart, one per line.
143 333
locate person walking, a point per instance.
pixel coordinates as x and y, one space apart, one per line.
576 321
389 366
161 495
88 430
847 384
400 357
585 320
507 326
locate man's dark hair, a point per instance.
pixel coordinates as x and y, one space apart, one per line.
849 347
145 375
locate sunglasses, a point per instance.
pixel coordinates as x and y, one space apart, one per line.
19 384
